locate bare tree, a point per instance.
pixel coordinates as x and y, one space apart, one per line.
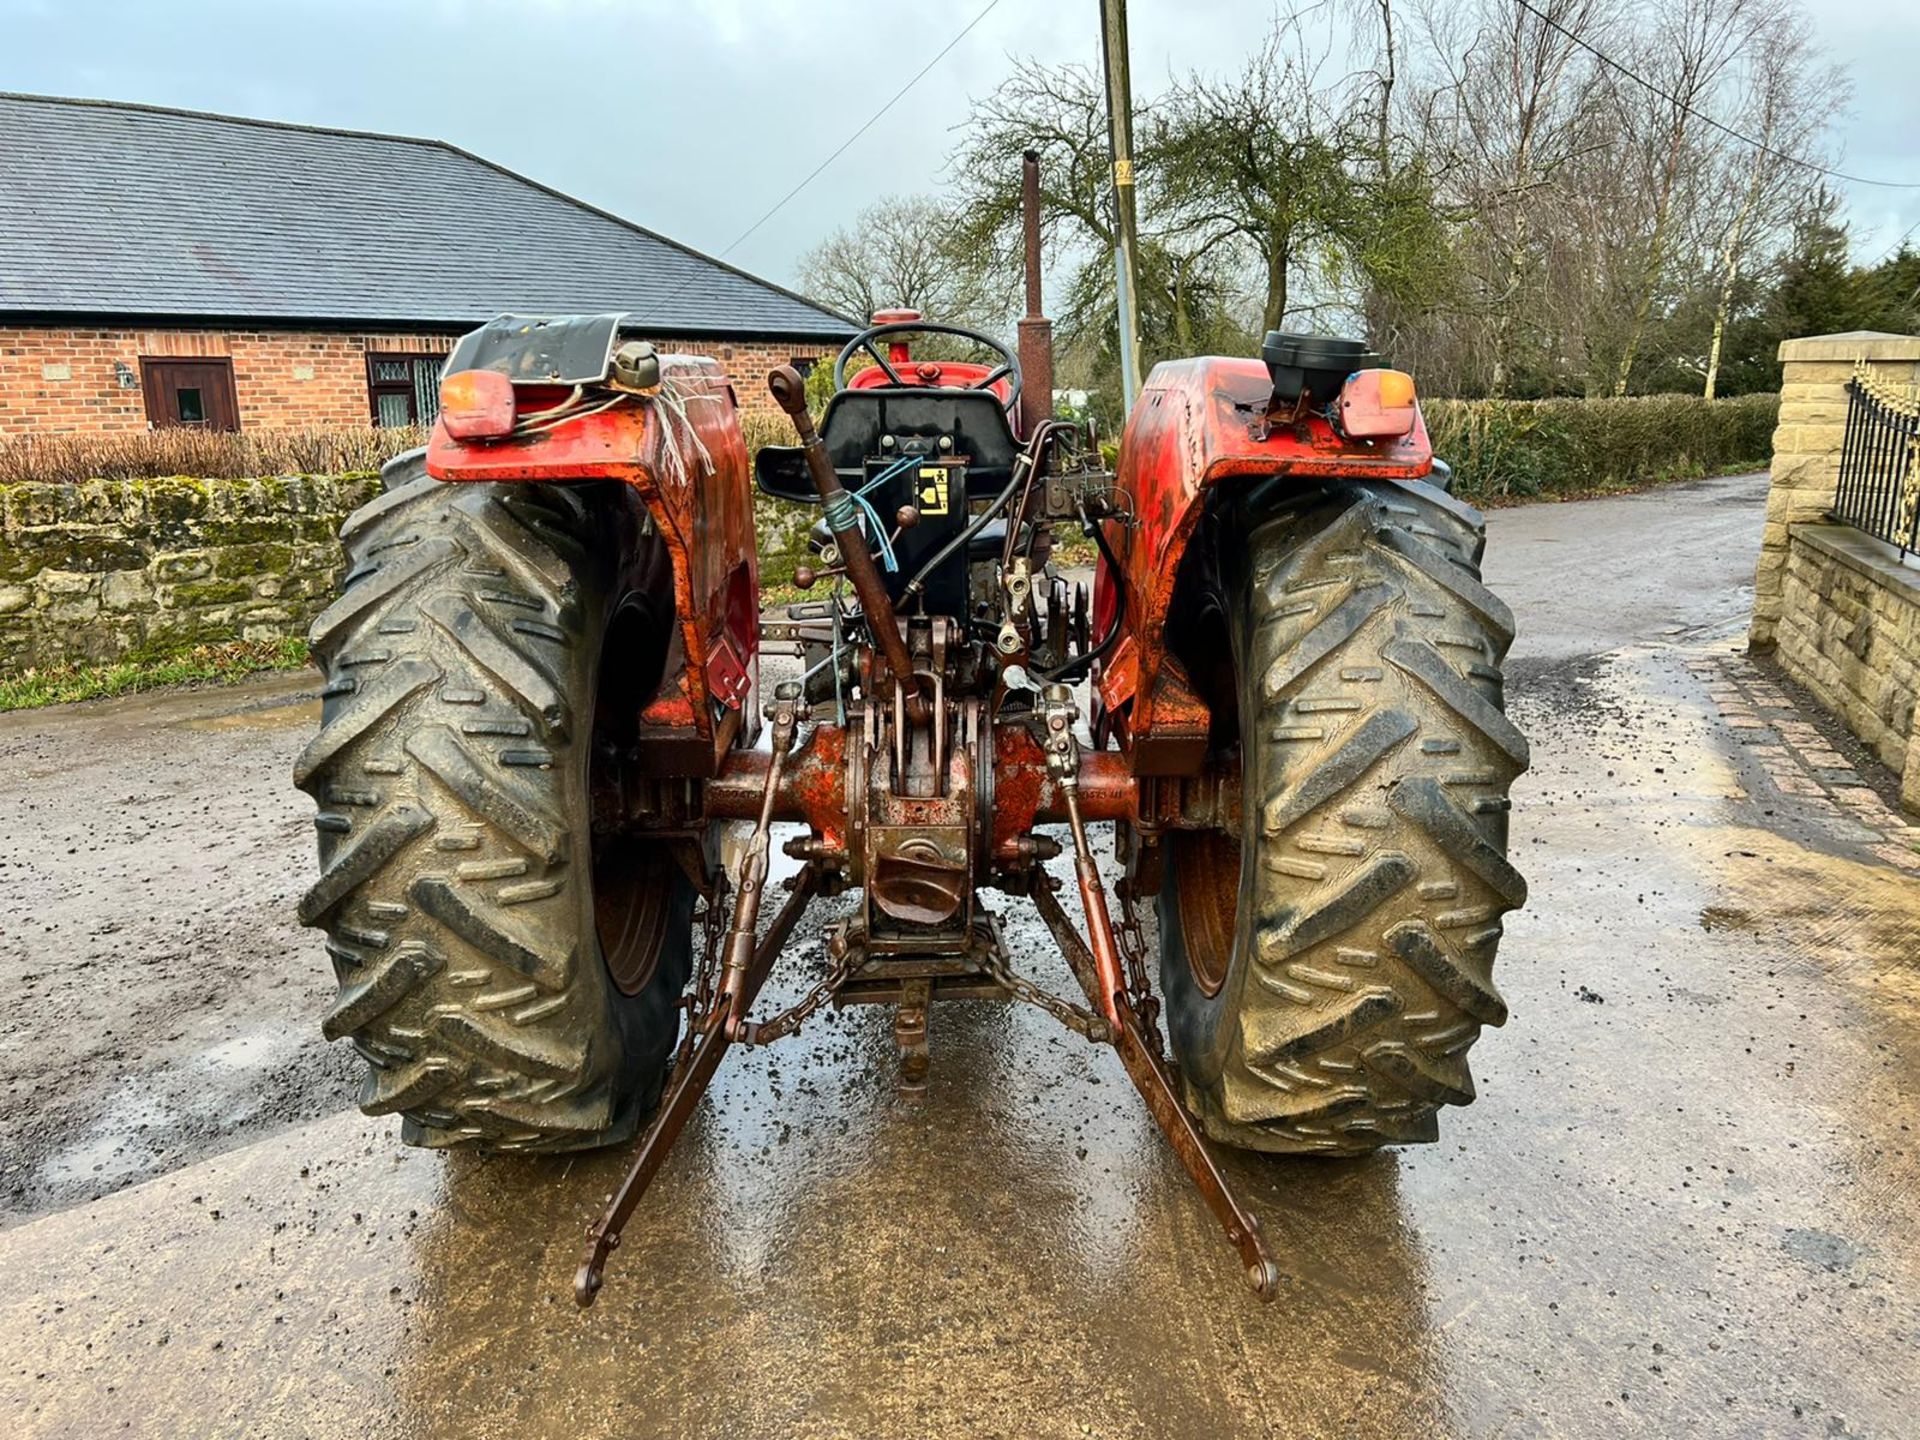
1789 101
1385 74
1516 97
1684 59
903 251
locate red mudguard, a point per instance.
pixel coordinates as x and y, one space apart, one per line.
1197 424
684 453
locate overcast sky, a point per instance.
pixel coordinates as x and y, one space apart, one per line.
693 116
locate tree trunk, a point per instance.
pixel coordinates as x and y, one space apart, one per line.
1275 310
1503 324
1386 87
1730 262
1182 318
1649 282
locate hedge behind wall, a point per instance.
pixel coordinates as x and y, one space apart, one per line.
1516 448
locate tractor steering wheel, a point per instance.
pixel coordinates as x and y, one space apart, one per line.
1007 369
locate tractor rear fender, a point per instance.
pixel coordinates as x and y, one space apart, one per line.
682 451
1198 427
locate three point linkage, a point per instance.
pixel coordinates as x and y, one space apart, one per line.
1120 1003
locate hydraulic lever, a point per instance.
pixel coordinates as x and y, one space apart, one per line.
843 518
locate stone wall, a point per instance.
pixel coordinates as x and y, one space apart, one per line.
117 569
1849 631
1806 447
1840 607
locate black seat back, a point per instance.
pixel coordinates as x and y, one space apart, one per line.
856 419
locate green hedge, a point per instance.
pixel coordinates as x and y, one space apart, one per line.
1571 447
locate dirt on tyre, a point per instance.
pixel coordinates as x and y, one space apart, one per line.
500 997
1327 969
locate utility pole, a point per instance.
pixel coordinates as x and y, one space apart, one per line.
1113 51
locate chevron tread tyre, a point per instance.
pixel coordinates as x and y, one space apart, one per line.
1327 969
451 771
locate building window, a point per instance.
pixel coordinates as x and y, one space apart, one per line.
197 394
404 389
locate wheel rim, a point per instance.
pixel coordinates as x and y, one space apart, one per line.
632 875
1206 874
631 885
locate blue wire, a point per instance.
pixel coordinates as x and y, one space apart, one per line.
887 474
879 534
860 498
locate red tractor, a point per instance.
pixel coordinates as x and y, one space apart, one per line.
542 708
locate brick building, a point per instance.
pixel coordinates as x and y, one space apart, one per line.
166 267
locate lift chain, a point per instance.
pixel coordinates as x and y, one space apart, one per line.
1074 1017
1133 950
788 1021
699 1001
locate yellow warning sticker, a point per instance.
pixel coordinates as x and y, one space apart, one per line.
933 490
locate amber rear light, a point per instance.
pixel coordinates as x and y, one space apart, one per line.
477 405
1377 404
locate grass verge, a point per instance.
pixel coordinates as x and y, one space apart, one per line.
201 665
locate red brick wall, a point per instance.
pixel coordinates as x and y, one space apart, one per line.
747 366
62 380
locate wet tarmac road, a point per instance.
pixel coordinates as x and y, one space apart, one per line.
1685 1202
151 853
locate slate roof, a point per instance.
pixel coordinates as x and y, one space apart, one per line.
111 209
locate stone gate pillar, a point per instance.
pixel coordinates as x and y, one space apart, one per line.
1806 447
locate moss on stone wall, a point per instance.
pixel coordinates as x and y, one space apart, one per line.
135 569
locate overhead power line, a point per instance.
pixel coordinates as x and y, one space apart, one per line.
870 122
1760 145
1897 246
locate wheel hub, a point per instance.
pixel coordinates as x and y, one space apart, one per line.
1206 873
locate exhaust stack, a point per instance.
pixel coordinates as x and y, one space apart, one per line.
1035 342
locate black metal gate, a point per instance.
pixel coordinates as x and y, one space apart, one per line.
1879 489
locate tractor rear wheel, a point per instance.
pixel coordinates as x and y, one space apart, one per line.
1327 968
512 982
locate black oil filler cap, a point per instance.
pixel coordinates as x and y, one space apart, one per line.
1316 364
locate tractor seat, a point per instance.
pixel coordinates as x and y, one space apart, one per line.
985 545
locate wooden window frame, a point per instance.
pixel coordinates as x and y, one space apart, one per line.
377 387
150 396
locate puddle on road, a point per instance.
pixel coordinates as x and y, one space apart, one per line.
303 713
122 1148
